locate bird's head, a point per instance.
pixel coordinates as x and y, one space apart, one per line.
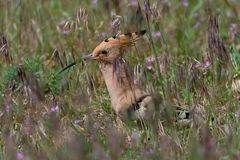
112 48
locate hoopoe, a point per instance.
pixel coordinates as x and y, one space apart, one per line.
128 100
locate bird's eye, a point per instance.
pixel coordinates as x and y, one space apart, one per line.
104 52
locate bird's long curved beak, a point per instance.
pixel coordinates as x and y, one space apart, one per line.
87 57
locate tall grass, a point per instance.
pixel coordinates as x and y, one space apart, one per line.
48 114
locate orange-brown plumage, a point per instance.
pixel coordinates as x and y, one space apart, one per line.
126 98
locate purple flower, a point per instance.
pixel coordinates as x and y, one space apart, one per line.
102 35
158 34
55 109
149 66
197 65
206 64
149 62
62 22
20 155
233 27
85 18
77 121
197 25
28 131
135 81
94 2
150 59
184 3
8 108
133 3
66 31
150 151
237 114
195 15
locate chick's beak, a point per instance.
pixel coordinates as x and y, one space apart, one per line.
87 57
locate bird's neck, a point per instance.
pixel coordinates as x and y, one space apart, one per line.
120 85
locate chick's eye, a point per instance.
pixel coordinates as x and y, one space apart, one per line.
104 52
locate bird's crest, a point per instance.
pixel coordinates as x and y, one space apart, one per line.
111 48
124 39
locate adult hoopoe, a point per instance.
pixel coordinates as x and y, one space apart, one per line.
128 101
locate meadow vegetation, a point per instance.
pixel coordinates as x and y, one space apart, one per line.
190 56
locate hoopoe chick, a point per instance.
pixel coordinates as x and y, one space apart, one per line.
127 100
